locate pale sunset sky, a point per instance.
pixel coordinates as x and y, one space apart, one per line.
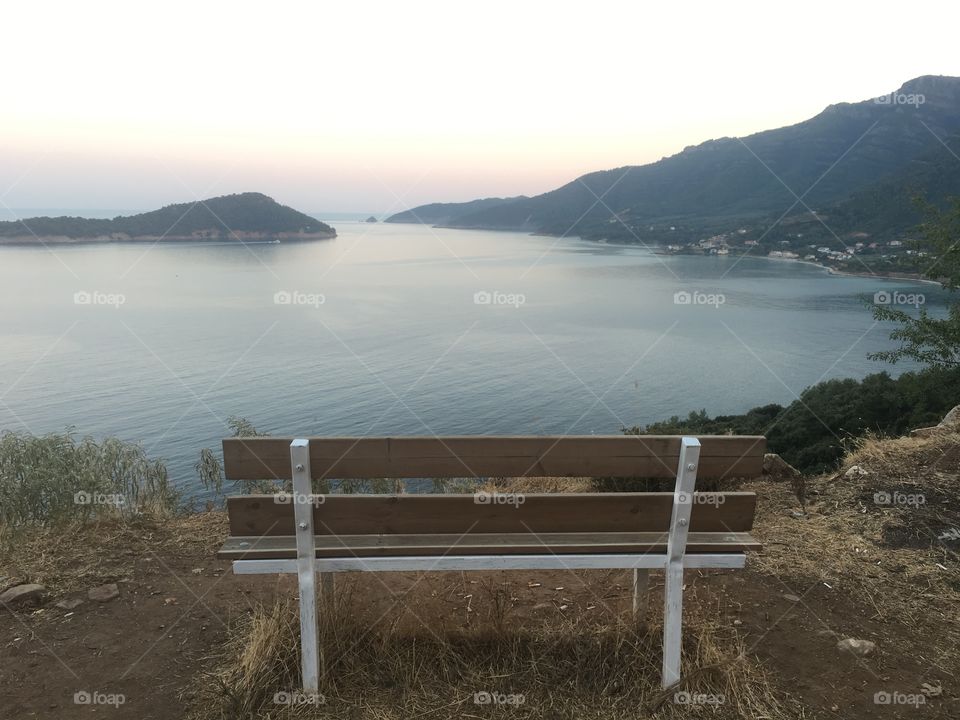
366 106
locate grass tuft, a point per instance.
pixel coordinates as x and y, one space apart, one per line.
560 669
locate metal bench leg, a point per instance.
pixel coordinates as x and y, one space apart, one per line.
676 546
672 624
641 583
303 517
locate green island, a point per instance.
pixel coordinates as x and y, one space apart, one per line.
243 217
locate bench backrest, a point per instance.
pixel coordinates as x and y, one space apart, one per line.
417 457
628 456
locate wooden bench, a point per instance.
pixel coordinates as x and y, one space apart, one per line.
305 533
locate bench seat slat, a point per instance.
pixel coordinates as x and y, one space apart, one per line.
279 547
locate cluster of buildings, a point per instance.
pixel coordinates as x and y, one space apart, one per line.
723 243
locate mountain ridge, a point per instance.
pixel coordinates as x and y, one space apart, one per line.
440 213
827 159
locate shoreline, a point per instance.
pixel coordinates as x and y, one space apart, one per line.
844 273
891 276
828 269
238 238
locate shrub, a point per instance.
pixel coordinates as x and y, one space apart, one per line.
812 432
56 478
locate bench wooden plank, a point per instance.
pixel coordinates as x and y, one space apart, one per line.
649 456
459 514
276 547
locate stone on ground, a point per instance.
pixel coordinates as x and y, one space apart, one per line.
856 646
103 593
22 594
776 468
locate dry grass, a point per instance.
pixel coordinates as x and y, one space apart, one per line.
566 668
895 559
540 485
75 556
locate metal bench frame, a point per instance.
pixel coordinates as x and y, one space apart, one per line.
672 562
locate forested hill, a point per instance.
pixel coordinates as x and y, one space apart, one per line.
244 216
443 213
851 150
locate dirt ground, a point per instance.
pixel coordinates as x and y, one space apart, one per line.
176 602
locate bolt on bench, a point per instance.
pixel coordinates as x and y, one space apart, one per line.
305 533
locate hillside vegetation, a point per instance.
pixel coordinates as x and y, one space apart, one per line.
813 432
444 213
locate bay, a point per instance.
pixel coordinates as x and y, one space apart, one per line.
405 329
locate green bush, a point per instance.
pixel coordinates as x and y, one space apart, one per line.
56 478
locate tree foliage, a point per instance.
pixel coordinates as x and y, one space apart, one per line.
811 432
933 341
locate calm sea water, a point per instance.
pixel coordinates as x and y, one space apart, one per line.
385 333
